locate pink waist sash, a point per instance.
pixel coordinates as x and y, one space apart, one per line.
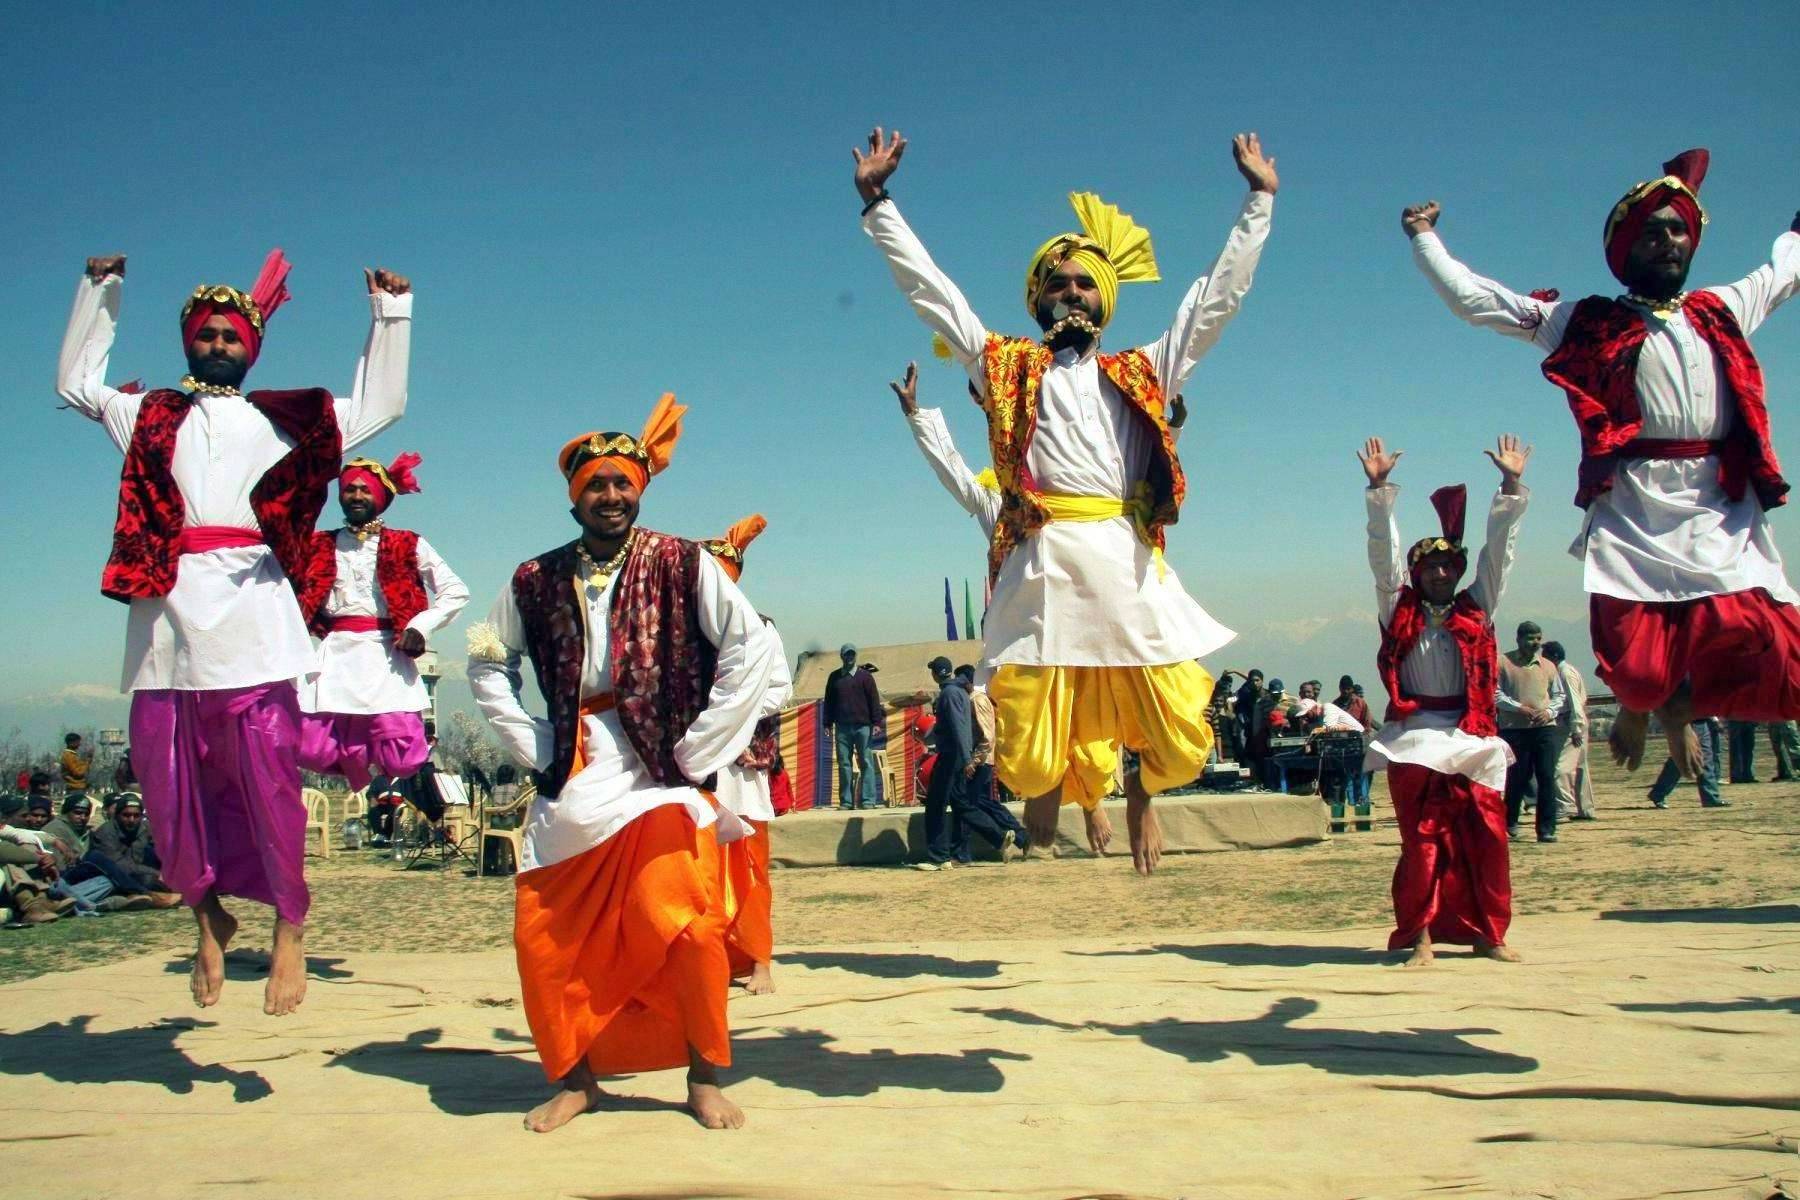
359 624
198 539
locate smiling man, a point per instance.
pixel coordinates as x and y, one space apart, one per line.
1090 639
1690 607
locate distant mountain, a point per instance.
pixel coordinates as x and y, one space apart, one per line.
42 718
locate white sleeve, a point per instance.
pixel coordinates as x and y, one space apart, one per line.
1486 304
933 437
1214 298
81 367
378 394
447 591
528 739
939 302
745 668
1752 298
1385 560
780 692
1497 551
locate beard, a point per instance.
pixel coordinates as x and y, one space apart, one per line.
1069 325
219 372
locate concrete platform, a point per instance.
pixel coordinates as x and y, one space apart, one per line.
1192 824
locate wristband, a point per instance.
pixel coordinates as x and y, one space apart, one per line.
879 197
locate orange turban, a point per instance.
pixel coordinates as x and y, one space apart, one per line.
729 550
639 458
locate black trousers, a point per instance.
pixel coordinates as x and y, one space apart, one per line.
984 814
1534 758
946 836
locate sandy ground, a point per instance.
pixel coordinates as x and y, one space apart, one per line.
1228 1028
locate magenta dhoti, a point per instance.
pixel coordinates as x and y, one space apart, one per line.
358 745
221 787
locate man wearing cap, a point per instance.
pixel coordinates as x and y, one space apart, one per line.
1090 639
383 592
1690 607
743 788
852 710
1446 765
653 667
212 550
123 847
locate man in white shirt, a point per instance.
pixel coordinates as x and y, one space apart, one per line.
386 592
212 549
1691 610
1090 642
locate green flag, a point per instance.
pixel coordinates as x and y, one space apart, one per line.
968 612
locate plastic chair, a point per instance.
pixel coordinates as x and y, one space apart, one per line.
893 787
356 804
513 836
318 816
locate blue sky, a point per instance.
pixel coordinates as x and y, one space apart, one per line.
596 206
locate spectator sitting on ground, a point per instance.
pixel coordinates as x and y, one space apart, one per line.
74 764
125 844
27 870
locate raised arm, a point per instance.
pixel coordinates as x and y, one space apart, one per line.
934 441
1478 300
748 652
939 302
87 345
378 395
1216 296
1752 298
1386 562
448 595
1509 458
496 648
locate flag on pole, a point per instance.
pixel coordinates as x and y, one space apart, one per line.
968 611
949 611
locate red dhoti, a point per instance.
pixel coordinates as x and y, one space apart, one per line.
621 951
750 939
1454 877
1739 653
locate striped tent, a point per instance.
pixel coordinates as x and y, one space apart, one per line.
811 759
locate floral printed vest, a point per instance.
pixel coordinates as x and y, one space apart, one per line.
396 575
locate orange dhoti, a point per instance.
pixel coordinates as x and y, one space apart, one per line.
750 936
621 950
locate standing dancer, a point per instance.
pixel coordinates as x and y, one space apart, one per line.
385 591
212 549
1446 766
744 789
1091 640
1690 608
653 667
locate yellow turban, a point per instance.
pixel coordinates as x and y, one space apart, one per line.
1112 247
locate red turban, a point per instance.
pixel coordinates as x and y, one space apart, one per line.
247 314
1452 504
1678 188
395 479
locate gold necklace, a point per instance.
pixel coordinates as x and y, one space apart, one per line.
190 384
1662 308
596 575
364 532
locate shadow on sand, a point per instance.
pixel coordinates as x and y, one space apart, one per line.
893 966
244 965
803 1059
1255 954
1768 914
70 1052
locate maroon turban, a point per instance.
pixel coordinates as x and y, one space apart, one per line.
1679 188
1452 504
247 313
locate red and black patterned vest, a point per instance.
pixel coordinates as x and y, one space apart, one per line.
765 745
1596 365
1015 371
287 500
662 665
396 576
1473 630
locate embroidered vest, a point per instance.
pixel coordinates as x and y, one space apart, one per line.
1596 365
765 745
662 665
1015 372
287 500
1473 631
397 576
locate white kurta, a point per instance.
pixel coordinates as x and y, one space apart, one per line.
1088 593
614 788
231 620
740 789
1666 531
933 437
363 673
1434 667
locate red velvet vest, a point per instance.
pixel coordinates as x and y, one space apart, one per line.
287 500
1473 632
662 665
1597 366
396 575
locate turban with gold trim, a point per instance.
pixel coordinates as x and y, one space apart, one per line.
248 314
1678 188
1452 504
639 458
384 483
729 550
1111 247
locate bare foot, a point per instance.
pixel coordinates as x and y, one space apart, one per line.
762 981
1422 955
709 1105
579 1094
1040 818
1684 744
1627 738
1099 828
1501 953
1144 828
287 970
217 928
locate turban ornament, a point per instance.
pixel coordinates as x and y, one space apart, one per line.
1452 504
395 479
1111 247
729 550
248 314
639 458
1677 188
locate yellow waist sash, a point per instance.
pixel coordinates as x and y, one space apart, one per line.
1059 507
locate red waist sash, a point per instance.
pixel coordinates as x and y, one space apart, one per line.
198 539
1668 448
360 624
1439 703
